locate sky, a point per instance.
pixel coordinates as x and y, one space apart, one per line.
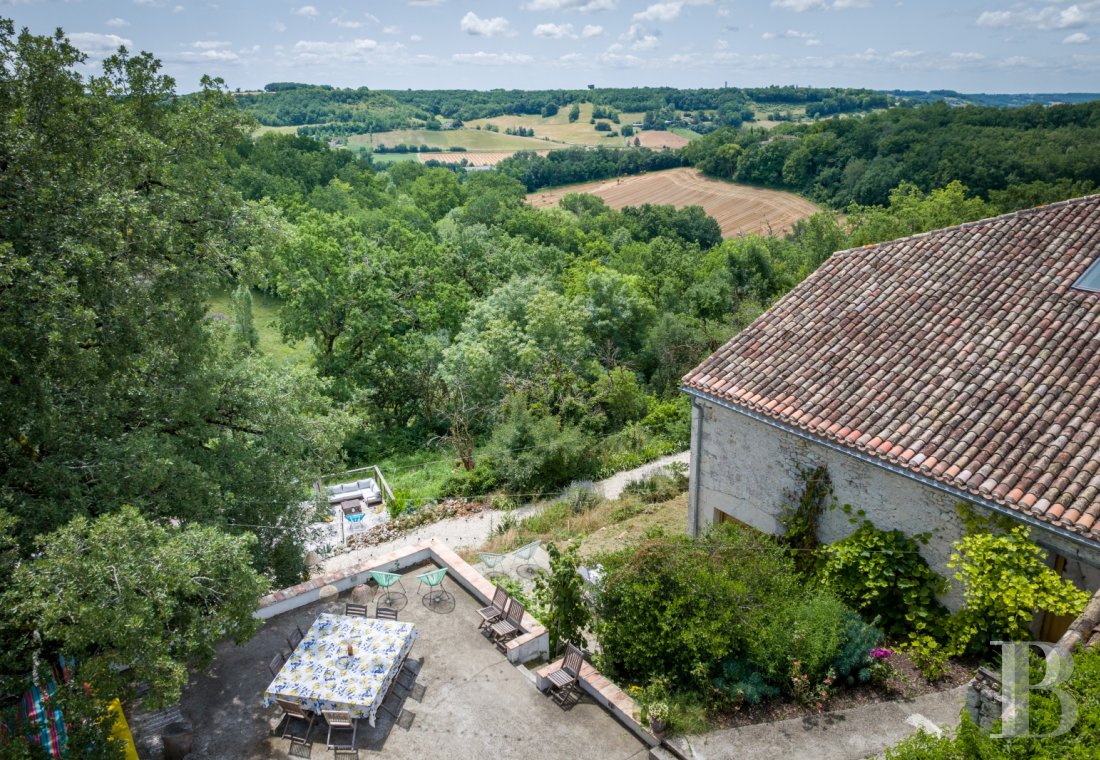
964 45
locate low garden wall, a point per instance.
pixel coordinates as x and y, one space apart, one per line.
532 645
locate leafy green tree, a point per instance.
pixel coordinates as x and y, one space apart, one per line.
912 211
559 594
244 328
131 601
118 222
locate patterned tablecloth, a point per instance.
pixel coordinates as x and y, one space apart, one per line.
319 675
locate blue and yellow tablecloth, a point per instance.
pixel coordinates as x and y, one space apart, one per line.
320 675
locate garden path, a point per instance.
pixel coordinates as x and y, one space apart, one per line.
853 734
474 530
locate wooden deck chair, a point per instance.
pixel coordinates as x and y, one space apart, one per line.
565 681
511 626
495 610
296 712
276 663
340 720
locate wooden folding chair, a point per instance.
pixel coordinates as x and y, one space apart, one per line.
385 613
295 637
565 681
357 610
495 610
511 626
296 712
276 663
340 720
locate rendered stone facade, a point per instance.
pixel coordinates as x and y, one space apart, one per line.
747 468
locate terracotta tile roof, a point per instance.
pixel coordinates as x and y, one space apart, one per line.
963 355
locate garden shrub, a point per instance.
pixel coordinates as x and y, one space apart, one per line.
535 455
480 480
677 606
662 485
808 628
882 575
740 683
852 663
581 496
1005 582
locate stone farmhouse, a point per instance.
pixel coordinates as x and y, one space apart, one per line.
955 367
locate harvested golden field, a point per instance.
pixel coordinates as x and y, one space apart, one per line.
661 138
472 159
739 209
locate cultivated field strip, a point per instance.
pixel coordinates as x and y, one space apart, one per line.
472 159
738 209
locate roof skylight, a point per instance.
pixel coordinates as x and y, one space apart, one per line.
1090 280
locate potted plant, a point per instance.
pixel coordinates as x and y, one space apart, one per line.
657 712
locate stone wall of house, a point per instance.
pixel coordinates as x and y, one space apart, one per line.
749 469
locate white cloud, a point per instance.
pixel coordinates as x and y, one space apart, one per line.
640 38
555 31
473 24
210 44
584 6
150 3
809 38
427 2
619 60
317 51
346 23
415 38
967 57
799 6
98 45
278 26
1044 18
391 30
307 10
1077 38
206 56
492 59
591 30
660 12
117 22
178 9
571 58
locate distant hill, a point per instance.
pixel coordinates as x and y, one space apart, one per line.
997 100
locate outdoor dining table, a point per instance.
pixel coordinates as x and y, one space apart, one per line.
321 675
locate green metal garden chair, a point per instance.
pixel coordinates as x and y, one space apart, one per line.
526 553
434 581
492 562
386 582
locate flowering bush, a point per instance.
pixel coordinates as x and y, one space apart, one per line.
881 667
808 693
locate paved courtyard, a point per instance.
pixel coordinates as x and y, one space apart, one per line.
474 703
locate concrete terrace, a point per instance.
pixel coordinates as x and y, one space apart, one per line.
475 703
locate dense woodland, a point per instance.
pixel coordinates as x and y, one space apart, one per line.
290 104
155 465
1014 157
